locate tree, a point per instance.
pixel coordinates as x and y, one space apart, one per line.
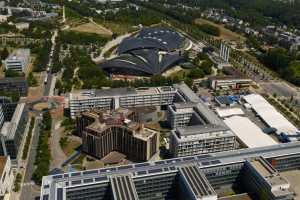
210 29
196 73
4 54
59 86
32 82
12 73
206 66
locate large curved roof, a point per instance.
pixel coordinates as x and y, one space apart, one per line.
157 38
151 51
142 62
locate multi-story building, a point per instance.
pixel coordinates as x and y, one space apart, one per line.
6 176
196 129
1 116
12 134
120 97
230 83
264 181
14 85
118 130
180 114
193 177
195 140
18 60
8 107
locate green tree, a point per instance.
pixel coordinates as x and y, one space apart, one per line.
32 82
210 29
4 54
196 73
12 73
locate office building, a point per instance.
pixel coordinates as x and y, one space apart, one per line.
1 116
120 97
6 176
12 134
104 132
230 83
193 177
180 114
17 85
18 60
8 107
264 181
196 129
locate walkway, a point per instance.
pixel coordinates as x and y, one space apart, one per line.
57 154
110 45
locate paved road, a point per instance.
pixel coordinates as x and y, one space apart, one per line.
29 190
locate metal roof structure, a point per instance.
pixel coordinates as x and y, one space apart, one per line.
152 51
270 115
248 133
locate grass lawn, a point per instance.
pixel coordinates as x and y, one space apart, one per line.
117 28
226 34
92 28
70 146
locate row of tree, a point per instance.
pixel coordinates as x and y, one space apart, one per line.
285 63
43 155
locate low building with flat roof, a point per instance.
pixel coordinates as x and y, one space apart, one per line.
229 83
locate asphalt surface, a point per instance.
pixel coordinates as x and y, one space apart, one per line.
27 192
47 86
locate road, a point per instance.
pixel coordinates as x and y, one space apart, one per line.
29 190
51 78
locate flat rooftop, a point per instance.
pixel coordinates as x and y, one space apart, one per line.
270 115
74 179
248 132
19 53
199 129
119 92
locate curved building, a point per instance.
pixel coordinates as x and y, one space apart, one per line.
151 52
